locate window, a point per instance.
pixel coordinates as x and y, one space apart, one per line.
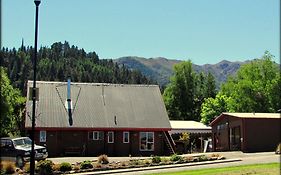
94 135
43 136
146 141
110 137
126 138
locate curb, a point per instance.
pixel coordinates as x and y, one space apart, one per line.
156 167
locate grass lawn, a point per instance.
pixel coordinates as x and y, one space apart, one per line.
264 169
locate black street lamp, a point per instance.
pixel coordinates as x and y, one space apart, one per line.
32 154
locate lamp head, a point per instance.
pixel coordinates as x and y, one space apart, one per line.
37 2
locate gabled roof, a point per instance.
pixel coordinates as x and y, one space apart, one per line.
248 116
179 126
99 106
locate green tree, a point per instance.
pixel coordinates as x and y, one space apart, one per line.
256 88
186 92
213 107
11 106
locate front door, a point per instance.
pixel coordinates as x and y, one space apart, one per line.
235 138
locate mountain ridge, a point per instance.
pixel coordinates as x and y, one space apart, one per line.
161 69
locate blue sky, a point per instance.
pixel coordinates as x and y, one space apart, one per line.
204 31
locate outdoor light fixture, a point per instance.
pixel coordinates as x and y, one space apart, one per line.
32 154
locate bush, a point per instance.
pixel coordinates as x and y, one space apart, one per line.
156 159
176 158
26 168
8 167
65 166
103 159
86 165
44 167
203 158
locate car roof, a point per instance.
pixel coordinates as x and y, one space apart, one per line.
12 138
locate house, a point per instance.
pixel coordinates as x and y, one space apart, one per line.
91 119
248 132
198 133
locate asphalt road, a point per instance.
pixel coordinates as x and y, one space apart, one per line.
245 158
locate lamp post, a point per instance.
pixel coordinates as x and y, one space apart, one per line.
32 154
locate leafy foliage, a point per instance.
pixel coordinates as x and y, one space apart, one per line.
65 166
156 159
256 88
11 106
184 95
86 165
176 157
44 167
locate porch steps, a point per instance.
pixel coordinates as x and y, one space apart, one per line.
169 142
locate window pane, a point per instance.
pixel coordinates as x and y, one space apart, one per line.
110 137
150 137
149 146
126 137
96 135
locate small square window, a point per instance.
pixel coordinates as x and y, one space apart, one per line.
94 135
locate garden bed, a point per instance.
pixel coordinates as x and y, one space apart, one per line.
103 164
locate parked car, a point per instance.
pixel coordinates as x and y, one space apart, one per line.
18 150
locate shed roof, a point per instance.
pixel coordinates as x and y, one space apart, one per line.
95 105
179 126
248 116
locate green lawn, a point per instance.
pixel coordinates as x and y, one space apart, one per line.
264 169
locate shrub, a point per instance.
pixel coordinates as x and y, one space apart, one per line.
165 160
176 158
65 166
203 158
44 167
76 167
56 167
26 168
86 165
103 159
98 165
156 159
135 162
8 167
146 161
188 159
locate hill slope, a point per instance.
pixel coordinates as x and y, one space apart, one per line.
160 69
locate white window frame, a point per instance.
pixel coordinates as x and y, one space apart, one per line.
147 142
110 134
43 136
124 136
97 135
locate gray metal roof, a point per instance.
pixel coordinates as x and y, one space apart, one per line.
98 105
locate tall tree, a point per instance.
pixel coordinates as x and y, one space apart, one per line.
11 107
184 95
255 88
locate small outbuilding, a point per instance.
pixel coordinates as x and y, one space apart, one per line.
248 132
90 119
199 134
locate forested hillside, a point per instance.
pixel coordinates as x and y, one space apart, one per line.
60 61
